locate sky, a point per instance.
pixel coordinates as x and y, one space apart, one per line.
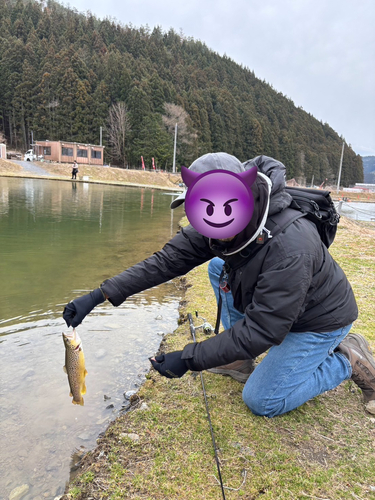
318 53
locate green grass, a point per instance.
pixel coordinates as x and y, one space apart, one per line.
322 450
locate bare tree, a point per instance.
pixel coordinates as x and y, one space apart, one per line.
118 130
186 135
176 114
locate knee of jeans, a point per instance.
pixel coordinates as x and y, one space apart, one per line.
254 400
259 402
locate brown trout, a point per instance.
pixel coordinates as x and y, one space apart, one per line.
75 366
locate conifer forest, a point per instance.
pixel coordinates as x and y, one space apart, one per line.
70 76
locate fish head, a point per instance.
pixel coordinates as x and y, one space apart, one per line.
72 341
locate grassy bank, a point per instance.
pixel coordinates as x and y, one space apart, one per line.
162 449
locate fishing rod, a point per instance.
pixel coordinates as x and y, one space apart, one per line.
207 327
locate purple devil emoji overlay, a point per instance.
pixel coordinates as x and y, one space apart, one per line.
219 204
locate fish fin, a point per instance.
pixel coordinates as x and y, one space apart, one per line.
85 372
83 391
70 394
82 403
64 368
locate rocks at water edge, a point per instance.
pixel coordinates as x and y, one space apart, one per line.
19 492
370 407
129 394
130 435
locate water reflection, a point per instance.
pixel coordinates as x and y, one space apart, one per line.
59 240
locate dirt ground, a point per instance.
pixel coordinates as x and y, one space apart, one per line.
97 174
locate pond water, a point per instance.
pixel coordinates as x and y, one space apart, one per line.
60 240
358 210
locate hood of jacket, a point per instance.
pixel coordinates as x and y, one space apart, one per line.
270 198
275 171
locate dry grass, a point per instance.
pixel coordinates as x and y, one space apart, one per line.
9 167
109 175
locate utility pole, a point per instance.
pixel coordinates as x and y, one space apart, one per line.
342 156
101 133
174 150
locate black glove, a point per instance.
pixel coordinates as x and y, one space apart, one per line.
170 365
77 309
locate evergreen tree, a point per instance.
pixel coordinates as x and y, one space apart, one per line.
139 107
61 71
153 141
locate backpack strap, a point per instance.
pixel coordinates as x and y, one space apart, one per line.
275 225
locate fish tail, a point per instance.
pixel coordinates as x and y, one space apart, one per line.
78 402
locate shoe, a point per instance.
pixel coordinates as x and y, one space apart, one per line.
239 370
356 349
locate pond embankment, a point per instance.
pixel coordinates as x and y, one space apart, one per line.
91 173
162 448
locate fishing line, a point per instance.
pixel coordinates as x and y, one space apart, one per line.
192 331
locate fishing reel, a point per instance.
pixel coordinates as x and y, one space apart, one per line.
206 327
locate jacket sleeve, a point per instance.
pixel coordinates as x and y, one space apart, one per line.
277 302
180 255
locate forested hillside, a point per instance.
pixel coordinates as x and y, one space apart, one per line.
63 75
369 169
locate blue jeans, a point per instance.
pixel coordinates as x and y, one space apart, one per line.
303 366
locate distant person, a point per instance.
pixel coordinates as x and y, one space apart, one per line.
75 170
289 299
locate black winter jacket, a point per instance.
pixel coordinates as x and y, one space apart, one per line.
292 284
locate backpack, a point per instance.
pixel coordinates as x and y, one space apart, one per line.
319 208
316 205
